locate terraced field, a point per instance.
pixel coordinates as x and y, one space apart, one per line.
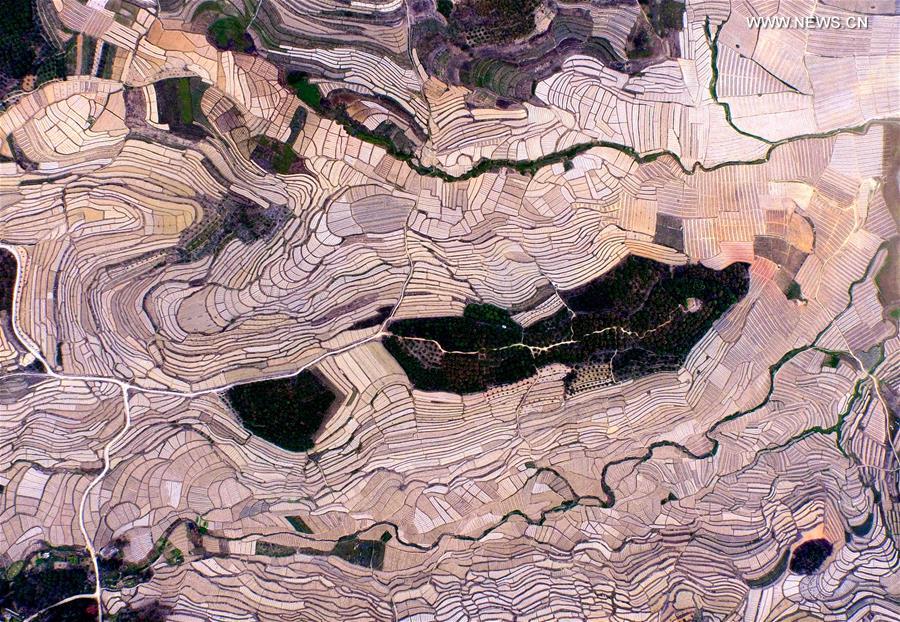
454 310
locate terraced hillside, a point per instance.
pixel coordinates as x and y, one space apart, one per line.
450 310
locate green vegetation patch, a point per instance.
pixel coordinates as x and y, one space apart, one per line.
174 556
664 15
669 498
25 51
178 103
387 136
299 524
285 412
15 568
117 574
393 139
151 612
8 275
498 76
185 101
481 326
107 58
202 525
271 549
670 16
770 577
79 610
365 553
639 44
810 555
485 22
380 315
445 7
308 92
298 121
863 529
17 26
832 360
276 157
46 578
230 218
639 318
793 291
88 49
208 6
229 33
886 279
